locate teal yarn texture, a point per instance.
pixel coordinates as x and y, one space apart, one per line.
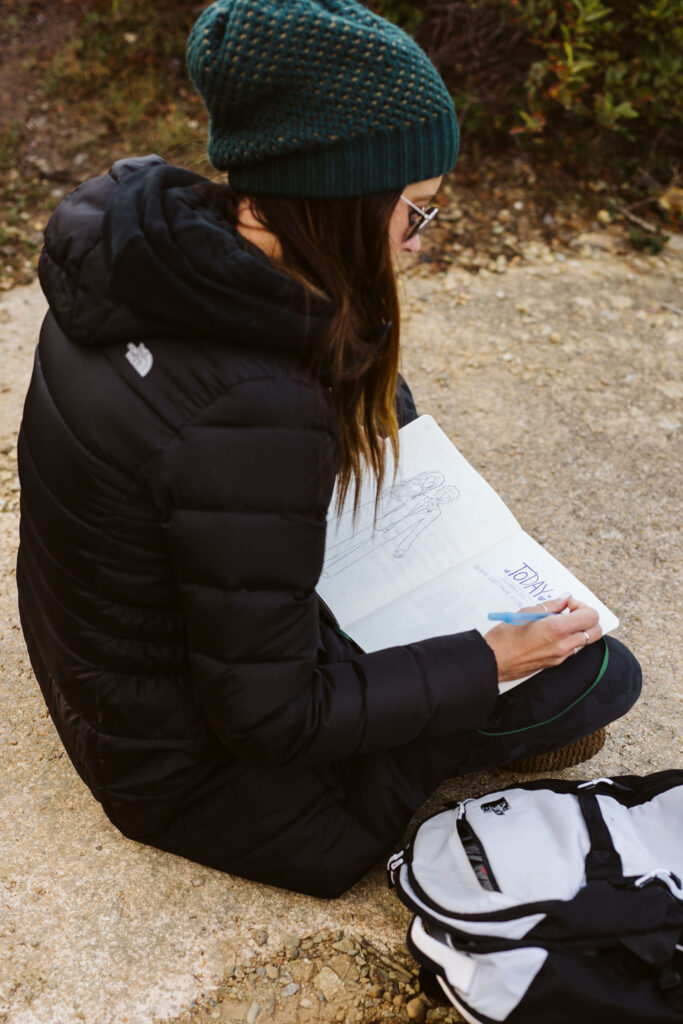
318 98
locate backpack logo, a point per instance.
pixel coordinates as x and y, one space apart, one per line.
140 358
499 806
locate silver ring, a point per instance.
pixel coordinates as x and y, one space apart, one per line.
576 650
588 639
545 609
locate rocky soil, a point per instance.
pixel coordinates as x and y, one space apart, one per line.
328 976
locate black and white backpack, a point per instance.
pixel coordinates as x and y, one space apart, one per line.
553 901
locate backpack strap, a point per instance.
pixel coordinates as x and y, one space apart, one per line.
603 863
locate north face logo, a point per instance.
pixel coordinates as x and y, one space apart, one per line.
140 358
499 806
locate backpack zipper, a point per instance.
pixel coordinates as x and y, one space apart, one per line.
394 864
479 862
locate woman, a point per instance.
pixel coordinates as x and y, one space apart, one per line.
213 357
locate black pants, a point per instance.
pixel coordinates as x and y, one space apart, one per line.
548 711
361 807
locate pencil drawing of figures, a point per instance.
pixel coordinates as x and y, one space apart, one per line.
405 511
349 525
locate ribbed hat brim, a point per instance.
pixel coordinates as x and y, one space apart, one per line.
369 163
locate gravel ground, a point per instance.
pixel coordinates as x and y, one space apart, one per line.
559 379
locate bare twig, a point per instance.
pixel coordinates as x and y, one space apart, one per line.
644 224
670 305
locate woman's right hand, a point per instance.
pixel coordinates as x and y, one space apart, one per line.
527 648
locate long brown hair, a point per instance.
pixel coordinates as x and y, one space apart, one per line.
340 248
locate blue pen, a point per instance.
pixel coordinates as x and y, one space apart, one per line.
517 618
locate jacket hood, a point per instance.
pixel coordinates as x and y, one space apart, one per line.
134 254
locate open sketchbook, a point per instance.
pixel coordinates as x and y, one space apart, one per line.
443 552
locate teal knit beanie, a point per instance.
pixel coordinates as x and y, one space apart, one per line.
318 98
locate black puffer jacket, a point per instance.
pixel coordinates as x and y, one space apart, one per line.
176 461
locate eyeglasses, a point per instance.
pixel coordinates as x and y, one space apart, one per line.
419 219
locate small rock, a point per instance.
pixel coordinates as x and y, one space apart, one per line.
291 989
620 301
416 1009
253 1012
292 941
603 216
272 972
593 241
327 982
345 946
306 1003
261 937
451 215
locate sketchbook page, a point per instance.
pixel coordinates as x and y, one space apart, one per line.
515 573
438 513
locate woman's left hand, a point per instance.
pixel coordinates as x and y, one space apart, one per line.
524 649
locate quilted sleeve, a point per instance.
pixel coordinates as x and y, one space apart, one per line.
243 491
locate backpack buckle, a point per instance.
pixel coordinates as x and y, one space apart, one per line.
663 874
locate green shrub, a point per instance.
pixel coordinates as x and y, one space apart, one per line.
612 71
403 12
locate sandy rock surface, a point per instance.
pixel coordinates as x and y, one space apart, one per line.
560 380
